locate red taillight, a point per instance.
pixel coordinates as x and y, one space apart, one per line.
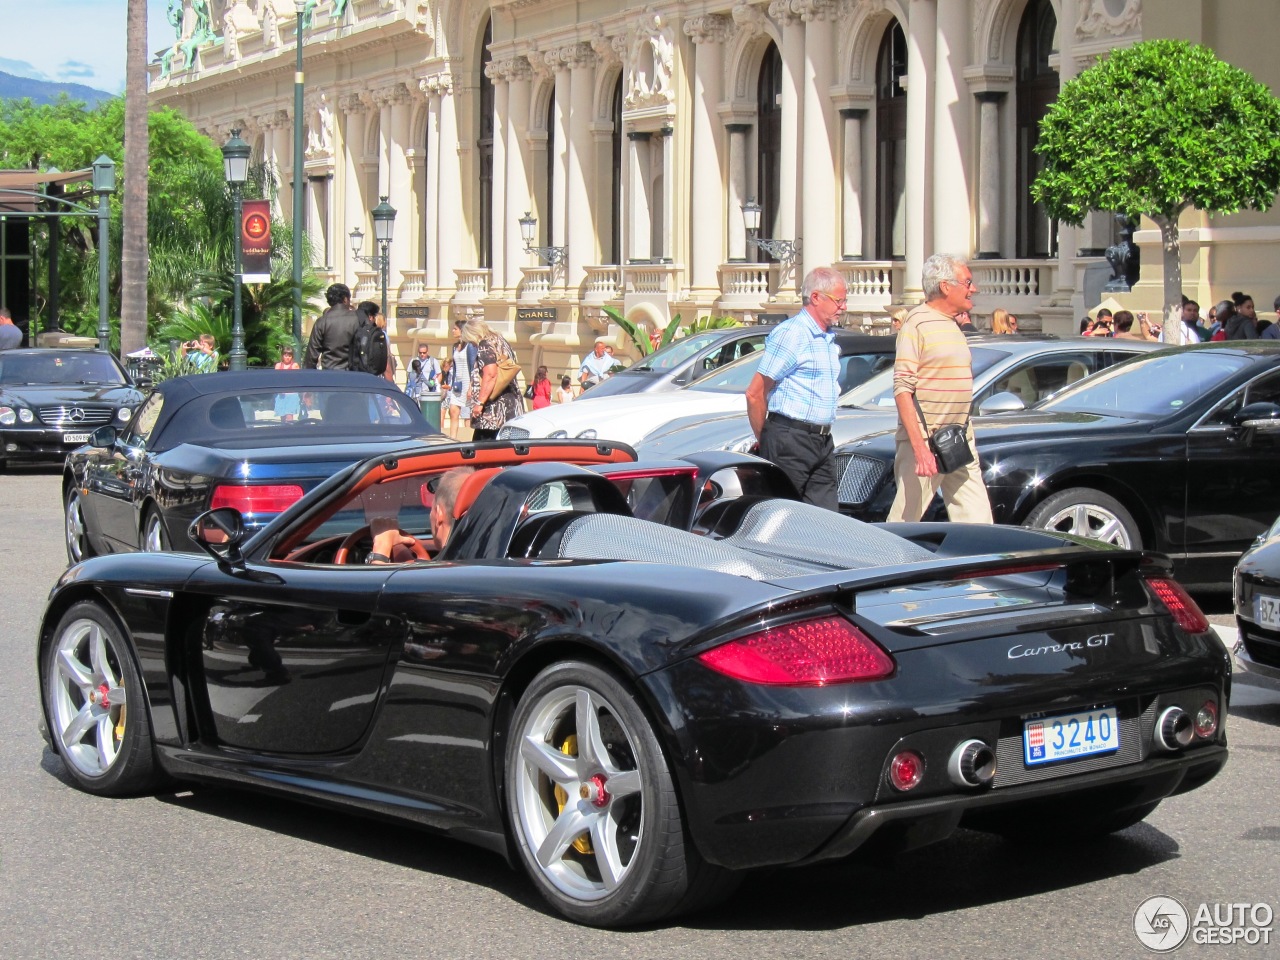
906 770
1206 720
805 653
1178 602
267 498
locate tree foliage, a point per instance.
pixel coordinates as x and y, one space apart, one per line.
1156 128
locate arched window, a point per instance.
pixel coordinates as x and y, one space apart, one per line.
891 145
485 150
1037 235
769 144
615 238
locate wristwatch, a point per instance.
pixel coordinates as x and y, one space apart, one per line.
376 558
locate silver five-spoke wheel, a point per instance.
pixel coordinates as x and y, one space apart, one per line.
154 537
92 691
593 806
1084 512
76 538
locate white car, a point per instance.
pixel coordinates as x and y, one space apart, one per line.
628 418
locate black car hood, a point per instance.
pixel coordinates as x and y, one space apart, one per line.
39 394
1014 428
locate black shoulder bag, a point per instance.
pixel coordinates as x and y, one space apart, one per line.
949 443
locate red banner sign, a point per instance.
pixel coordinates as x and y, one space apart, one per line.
255 241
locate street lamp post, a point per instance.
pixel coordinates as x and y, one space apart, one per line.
528 229
104 184
298 180
785 251
235 167
384 219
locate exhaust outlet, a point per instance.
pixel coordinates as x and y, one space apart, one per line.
972 764
1174 729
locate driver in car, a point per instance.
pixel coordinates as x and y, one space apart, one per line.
386 530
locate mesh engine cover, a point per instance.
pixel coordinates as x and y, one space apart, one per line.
802 531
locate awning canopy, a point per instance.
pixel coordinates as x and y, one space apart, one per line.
20 189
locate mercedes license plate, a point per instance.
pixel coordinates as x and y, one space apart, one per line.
75 438
1266 611
1070 736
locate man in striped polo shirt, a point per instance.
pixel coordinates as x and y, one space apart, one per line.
933 375
791 401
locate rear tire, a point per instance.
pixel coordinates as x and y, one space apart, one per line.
1085 512
96 706
155 536
593 807
75 533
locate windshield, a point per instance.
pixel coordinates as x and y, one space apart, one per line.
1148 388
30 367
878 391
674 354
732 377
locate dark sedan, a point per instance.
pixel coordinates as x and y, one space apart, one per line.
51 400
684 361
1170 452
1257 605
633 681
256 441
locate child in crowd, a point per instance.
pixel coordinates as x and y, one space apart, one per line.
565 393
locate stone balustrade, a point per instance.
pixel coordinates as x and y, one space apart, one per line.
603 284
535 285
472 285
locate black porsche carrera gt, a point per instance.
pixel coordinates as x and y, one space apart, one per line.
639 679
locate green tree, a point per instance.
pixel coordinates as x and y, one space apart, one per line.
1154 129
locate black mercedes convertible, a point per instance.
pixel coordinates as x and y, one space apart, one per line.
638 680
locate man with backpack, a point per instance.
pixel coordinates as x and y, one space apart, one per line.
370 352
330 342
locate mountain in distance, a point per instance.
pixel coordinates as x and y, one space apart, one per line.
47 91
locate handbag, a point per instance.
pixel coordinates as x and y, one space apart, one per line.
949 443
508 370
528 392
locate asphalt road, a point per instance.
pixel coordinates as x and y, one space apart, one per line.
222 874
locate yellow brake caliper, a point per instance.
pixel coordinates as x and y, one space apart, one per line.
570 748
119 730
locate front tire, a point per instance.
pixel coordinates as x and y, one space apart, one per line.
79 546
593 806
95 704
1085 512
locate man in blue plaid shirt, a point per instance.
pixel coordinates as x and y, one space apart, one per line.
791 401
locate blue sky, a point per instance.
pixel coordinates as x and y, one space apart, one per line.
78 41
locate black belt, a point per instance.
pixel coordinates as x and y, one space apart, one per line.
821 429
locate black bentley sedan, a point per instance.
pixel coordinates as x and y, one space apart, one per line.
637 680
1173 451
1257 607
256 441
51 400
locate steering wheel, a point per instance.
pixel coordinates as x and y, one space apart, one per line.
343 553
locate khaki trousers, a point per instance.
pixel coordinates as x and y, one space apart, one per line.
963 491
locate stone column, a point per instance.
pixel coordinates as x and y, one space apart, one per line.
667 199
989 175
639 248
518 194
355 108
707 234
498 72
449 244
852 232
921 47
818 154
431 230
581 231
400 185
738 134
557 204
952 208
316 227
789 166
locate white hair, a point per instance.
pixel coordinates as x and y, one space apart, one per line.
937 269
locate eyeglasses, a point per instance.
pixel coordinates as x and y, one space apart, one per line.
840 303
967 284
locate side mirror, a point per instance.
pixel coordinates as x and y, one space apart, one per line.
1259 417
144 383
219 533
1001 403
103 437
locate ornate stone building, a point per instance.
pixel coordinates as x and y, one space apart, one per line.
870 133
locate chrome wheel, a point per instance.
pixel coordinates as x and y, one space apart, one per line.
578 794
1082 512
88 703
77 539
154 538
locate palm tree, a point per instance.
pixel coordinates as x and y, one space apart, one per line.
133 266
